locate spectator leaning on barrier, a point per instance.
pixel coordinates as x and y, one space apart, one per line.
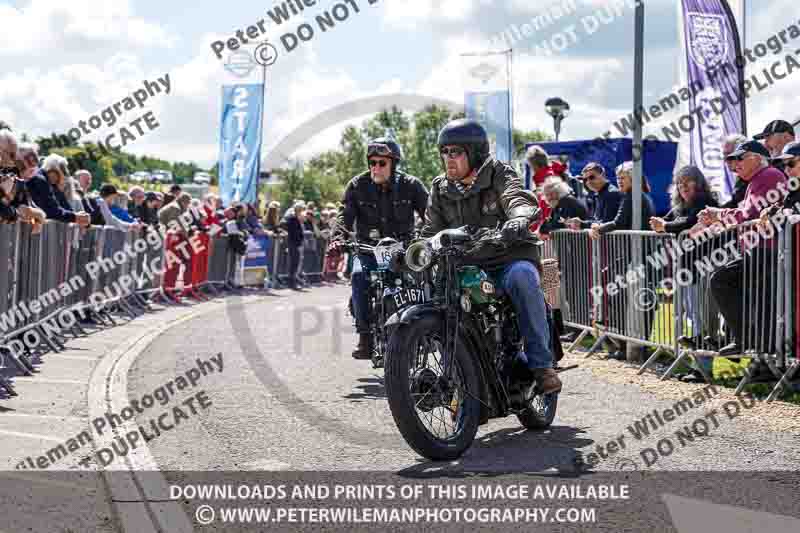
14 197
725 283
790 157
624 218
272 220
108 195
149 209
729 146
608 197
691 194
120 210
619 264
253 223
293 225
174 192
775 136
51 200
136 202
89 203
563 204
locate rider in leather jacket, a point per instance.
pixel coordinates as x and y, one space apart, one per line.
478 190
380 203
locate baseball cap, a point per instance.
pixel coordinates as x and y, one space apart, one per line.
790 151
776 126
749 146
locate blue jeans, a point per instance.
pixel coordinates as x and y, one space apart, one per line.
362 265
519 280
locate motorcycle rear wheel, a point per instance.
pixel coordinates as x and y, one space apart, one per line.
409 345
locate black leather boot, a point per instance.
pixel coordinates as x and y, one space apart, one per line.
364 348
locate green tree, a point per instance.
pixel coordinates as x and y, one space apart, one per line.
422 152
354 148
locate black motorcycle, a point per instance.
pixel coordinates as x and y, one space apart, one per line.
389 291
455 361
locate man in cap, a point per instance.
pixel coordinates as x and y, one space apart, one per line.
606 197
790 160
776 135
380 203
729 145
753 167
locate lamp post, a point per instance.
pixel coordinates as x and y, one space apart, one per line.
558 109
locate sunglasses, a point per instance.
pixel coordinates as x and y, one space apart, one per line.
452 152
377 163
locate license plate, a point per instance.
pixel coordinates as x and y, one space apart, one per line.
409 296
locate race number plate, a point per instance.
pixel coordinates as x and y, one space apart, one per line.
383 254
409 296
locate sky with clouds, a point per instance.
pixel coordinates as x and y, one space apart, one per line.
65 61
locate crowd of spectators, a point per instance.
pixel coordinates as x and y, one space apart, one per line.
764 167
36 189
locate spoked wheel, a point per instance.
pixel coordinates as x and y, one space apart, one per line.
380 350
541 410
437 415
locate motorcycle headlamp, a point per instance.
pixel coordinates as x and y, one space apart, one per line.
419 256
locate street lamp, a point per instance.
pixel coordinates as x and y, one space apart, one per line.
558 109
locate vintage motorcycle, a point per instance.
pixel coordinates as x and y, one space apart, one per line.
389 291
456 360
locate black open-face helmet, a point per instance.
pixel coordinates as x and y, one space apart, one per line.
469 134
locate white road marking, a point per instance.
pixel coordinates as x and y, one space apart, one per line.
61 440
47 417
37 379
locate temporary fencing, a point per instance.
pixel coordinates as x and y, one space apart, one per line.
66 277
312 259
651 289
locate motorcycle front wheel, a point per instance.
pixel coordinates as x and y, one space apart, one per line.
540 412
437 415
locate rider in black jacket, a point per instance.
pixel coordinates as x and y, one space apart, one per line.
381 203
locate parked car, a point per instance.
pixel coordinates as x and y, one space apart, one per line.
202 178
162 176
140 177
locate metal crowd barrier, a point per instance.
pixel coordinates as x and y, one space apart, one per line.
46 289
665 293
312 259
790 319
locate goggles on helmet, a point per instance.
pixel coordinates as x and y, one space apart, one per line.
379 150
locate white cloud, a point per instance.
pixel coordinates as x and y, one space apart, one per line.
47 25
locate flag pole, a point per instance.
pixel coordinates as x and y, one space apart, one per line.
634 353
